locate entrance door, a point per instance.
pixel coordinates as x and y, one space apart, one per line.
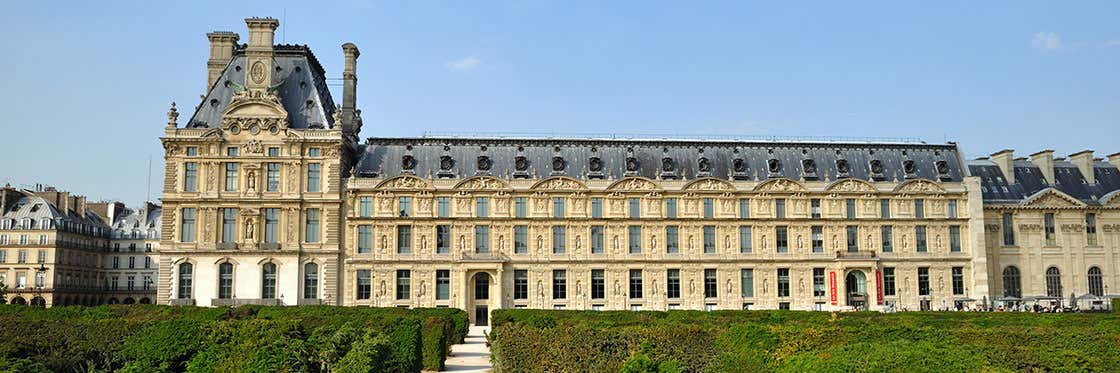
481 316
855 283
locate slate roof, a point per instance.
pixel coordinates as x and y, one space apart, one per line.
654 159
136 219
1029 180
300 82
38 208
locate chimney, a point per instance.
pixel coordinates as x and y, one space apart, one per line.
1045 162
349 88
1114 159
80 205
1084 162
1005 160
258 55
222 44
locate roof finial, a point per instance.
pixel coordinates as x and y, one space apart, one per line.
172 116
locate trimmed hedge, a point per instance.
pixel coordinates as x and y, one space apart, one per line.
151 338
734 341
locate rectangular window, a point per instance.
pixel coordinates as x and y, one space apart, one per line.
365 239
1048 229
670 208
783 282
482 207
1008 230
923 280
1091 229
596 239
43 259
271 225
885 208
404 283
147 262
888 281
746 282
443 207
815 208
745 240
405 207
850 208
520 284
229 225
780 208
404 239
781 239
952 209
559 240
273 152
190 177
958 280
364 284
520 207
558 208
365 206
744 208
482 239
231 152
116 261
920 238
598 284
312 225
520 239
818 282
711 283
272 183
673 284
192 151
887 238
709 239
596 208
443 284
919 209
709 208
231 176
955 238
443 239
635 284
559 284
853 238
635 208
635 238
817 238
187 225
672 239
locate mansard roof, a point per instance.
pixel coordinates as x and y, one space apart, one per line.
1029 180
298 79
129 219
28 205
582 159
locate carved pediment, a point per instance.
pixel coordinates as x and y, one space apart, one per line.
1052 198
851 186
780 185
919 186
481 183
1111 199
634 184
405 182
559 183
254 111
709 185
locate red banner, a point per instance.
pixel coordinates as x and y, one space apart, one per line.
879 286
832 286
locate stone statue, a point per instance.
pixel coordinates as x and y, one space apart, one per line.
502 244
252 176
250 228
653 242
691 286
765 287
617 288
423 286
579 288
729 288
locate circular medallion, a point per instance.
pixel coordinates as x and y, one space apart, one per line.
257 72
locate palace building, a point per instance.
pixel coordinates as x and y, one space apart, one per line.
270 197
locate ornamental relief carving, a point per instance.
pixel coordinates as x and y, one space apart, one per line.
404 182
920 186
559 183
712 185
780 186
852 186
1051 200
481 183
633 184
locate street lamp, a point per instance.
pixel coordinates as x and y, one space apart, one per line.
40 282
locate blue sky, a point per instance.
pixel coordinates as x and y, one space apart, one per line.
87 84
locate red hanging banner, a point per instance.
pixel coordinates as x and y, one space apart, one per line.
832 286
879 286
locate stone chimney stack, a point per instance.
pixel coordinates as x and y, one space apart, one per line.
349 89
1045 162
1005 160
258 54
1084 162
1114 159
80 205
222 44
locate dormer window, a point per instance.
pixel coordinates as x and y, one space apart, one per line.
632 164
739 169
408 163
842 168
942 169
521 167
909 168
704 165
558 164
484 163
446 162
774 166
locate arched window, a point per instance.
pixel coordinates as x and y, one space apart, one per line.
1053 282
310 281
268 281
186 270
1096 285
225 280
1011 285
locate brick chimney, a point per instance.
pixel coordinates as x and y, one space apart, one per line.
349 89
222 44
258 54
1045 162
1005 160
1084 162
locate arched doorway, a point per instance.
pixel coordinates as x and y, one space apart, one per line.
145 300
855 284
481 298
129 300
19 301
113 301
38 302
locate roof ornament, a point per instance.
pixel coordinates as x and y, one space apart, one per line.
172 116
337 116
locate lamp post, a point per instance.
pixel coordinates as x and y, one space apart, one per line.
40 282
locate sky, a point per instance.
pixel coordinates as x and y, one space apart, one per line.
87 85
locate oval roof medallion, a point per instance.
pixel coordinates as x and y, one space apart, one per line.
257 72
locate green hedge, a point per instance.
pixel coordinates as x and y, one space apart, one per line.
731 341
147 338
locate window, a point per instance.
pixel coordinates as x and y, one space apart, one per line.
817 238
1011 284
113 282
744 208
482 288
404 282
190 177
1053 282
958 280
404 239
310 281
635 238
312 227
405 207
482 239
853 238
920 237
364 284
365 206
885 208
635 208
443 239
670 208
635 284
520 284
268 281
598 284
923 280
116 260
559 284
231 176
482 207
952 209
888 239
780 208
147 262
131 259
558 207
815 208
1096 283
818 282
1048 226
709 208
745 240
185 273
314 152
559 240
709 239
783 282
187 225
520 239
271 225
746 282
520 207
1008 230
888 281
673 283
231 152
443 207
225 280
365 239
672 239
1091 229
147 282
229 225
711 283
273 182
850 208
597 208
192 151
919 209
955 238
781 239
273 152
